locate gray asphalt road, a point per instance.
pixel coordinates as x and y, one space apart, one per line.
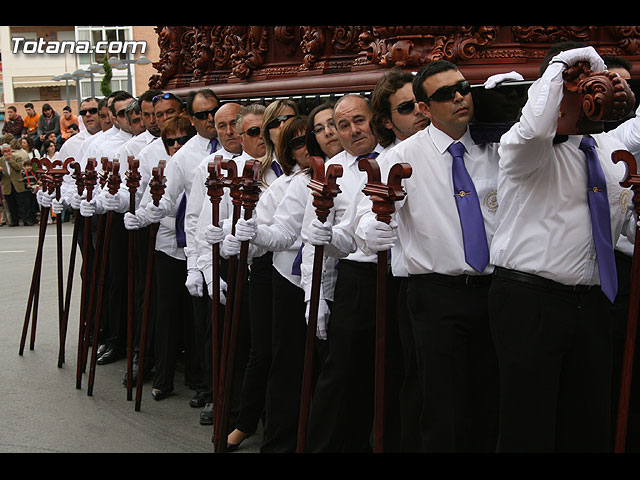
42 411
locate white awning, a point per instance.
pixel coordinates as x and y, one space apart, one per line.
36 81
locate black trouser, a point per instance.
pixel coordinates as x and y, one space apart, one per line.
554 355
284 383
456 362
341 416
255 375
620 312
116 284
174 317
16 203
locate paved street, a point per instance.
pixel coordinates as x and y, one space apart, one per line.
42 411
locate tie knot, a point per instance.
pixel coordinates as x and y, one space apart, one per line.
368 155
587 143
456 150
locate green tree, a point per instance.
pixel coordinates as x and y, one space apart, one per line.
105 85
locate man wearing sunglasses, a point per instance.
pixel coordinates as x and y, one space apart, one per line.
446 253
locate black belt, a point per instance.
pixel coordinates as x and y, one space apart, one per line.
457 280
537 281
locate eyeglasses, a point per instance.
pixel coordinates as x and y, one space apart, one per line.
181 140
276 122
444 94
165 96
205 113
319 129
92 111
406 107
296 143
251 131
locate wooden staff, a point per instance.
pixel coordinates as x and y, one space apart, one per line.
233 182
113 184
79 178
325 189
157 187
133 182
250 196
90 181
383 198
632 180
34 290
215 191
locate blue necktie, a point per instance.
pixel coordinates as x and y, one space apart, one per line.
213 145
476 248
181 237
600 220
276 168
295 267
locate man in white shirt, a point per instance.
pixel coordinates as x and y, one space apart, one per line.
554 278
444 227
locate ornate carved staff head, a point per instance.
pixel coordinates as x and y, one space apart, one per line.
78 176
383 196
324 186
592 98
631 179
114 180
104 173
132 175
232 181
250 186
90 177
158 181
215 181
56 170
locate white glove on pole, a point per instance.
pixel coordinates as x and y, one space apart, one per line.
323 318
230 246
495 80
319 233
131 222
223 291
380 236
88 209
76 199
246 229
584 54
213 234
194 282
114 203
45 198
153 213
57 206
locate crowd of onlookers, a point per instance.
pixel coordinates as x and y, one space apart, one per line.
23 142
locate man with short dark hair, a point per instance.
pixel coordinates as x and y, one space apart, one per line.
49 122
13 122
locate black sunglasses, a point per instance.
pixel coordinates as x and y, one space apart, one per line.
405 107
276 122
252 131
181 140
296 143
205 113
444 94
92 111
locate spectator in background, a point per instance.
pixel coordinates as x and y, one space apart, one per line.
12 185
49 122
49 149
28 146
67 119
13 124
30 121
30 184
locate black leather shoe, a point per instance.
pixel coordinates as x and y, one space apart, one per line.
101 349
206 415
111 355
158 394
198 401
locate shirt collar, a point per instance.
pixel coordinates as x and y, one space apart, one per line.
442 141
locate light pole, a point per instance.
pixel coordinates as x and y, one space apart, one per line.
66 77
77 75
94 68
122 64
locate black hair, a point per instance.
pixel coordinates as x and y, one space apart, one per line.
425 72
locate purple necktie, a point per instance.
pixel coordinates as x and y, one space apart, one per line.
600 220
295 267
476 248
181 237
276 168
213 145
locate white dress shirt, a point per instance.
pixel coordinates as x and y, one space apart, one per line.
429 230
543 225
133 146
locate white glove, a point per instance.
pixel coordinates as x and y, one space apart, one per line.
153 214
213 234
88 209
320 233
584 54
230 246
246 229
323 318
194 282
380 236
45 198
131 222
114 203
57 206
76 199
223 291
495 80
